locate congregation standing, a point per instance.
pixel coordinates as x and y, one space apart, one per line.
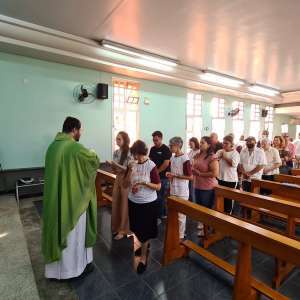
193 176
143 181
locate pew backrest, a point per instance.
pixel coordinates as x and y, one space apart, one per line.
287 179
289 208
285 190
295 172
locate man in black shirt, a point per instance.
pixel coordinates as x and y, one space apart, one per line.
160 154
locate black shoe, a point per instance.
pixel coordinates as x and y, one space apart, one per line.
138 252
141 268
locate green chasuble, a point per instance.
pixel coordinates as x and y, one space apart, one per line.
70 172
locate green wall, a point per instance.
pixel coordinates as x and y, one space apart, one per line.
36 96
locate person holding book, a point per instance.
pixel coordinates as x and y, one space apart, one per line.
179 176
121 159
143 180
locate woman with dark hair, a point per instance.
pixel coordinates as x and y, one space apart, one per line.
195 148
143 181
121 160
205 169
279 144
229 159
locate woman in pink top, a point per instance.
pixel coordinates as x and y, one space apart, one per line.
205 169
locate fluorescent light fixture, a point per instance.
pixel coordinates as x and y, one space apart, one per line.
153 64
139 53
258 89
221 79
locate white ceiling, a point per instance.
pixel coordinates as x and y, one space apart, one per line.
255 40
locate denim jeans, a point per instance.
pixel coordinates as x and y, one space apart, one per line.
191 192
205 197
161 196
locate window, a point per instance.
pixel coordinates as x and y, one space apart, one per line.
269 121
284 128
238 120
125 109
255 121
193 116
218 120
297 131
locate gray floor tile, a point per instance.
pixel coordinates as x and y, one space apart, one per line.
172 275
91 286
137 290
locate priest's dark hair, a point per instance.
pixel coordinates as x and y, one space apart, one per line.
71 123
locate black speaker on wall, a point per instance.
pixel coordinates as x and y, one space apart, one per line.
102 91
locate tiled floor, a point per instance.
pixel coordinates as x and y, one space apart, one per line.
16 276
114 276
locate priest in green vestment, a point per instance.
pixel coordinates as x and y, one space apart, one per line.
69 204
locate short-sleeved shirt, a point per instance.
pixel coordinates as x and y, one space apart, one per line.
180 165
292 149
159 155
202 164
272 157
297 147
227 172
143 172
192 153
251 161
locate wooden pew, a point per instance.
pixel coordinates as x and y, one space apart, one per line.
248 236
287 179
104 186
265 205
295 172
279 191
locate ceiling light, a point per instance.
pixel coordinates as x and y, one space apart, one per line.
139 53
221 79
258 89
153 64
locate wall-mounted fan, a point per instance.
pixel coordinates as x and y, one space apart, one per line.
264 113
84 94
233 112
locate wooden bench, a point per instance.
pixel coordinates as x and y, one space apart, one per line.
295 172
280 191
104 187
287 179
276 207
248 236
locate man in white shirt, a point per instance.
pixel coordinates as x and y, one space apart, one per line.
252 162
272 158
